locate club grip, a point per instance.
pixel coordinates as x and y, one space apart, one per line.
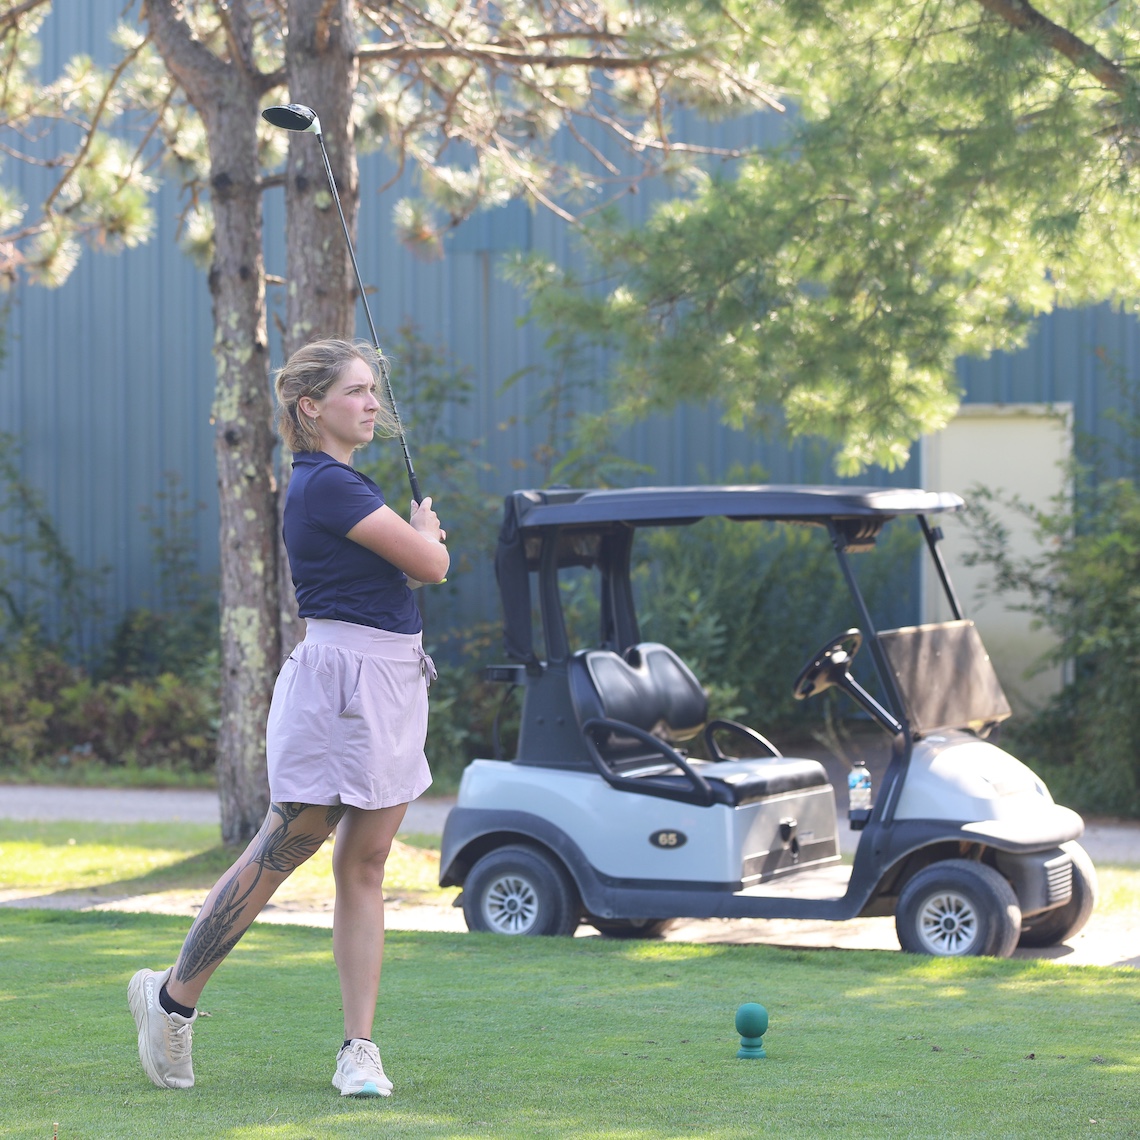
413 480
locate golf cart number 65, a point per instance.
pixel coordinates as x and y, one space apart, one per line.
668 839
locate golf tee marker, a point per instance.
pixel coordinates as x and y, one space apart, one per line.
751 1024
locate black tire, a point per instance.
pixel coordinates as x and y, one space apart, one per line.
1055 926
520 890
957 908
630 927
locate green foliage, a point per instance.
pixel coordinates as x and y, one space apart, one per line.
150 700
31 680
576 445
110 128
744 605
1085 587
41 583
178 633
431 391
55 717
946 178
464 707
101 190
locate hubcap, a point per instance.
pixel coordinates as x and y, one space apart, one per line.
510 905
948 924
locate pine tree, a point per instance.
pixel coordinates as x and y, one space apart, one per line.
953 169
469 94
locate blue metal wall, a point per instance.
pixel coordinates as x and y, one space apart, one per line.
108 381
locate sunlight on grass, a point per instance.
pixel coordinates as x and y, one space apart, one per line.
560 1038
1119 889
667 951
412 874
70 856
149 857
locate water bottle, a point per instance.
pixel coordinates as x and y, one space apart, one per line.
859 793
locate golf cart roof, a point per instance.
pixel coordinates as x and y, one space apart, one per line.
548 530
665 506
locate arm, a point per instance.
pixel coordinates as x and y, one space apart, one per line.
416 547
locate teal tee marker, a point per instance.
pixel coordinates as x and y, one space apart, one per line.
751 1024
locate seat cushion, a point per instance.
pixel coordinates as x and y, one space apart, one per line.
653 690
739 782
735 782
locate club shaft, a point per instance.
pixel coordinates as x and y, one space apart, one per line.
414 482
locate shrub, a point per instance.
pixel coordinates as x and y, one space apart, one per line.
164 722
32 679
54 715
149 700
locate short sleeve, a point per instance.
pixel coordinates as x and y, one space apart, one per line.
337 498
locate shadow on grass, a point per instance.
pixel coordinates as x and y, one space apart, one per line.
196 872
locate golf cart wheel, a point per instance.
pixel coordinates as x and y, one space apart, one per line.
958 908
630 927
519 890
1054 926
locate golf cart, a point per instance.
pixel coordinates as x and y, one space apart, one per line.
627 807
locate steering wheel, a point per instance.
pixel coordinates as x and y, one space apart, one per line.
829 665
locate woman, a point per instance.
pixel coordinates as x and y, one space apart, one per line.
348 720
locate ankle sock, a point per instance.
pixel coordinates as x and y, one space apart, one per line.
349 1040
171 1006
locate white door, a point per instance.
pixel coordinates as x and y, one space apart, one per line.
1016 450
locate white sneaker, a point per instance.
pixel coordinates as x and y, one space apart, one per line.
359 1072
164 1038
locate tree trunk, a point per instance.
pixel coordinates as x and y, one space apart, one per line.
226 95
320 63
244 445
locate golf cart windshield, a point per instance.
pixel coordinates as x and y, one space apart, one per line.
944 677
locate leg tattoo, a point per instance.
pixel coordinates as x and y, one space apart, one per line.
216 932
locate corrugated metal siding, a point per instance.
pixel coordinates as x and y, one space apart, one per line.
108 381
1087 357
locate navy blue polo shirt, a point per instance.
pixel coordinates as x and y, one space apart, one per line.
334 576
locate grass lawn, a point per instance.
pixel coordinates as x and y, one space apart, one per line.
489 1037
567 1038
111 859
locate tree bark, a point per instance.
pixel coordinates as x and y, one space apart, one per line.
225 94
1022 15
320 65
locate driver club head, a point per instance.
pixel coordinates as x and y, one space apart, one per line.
293 117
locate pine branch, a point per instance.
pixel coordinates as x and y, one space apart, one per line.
92 127
497 54
1023 16
9 18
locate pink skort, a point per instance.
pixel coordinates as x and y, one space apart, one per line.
349 718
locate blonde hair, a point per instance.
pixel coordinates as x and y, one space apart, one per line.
311 371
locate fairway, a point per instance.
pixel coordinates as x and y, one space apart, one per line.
567 1038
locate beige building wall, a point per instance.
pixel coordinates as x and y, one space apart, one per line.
1015 449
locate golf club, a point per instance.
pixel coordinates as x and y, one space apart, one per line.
296 117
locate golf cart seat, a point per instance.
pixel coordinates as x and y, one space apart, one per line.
636 709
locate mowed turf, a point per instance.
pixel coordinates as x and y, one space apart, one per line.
105 860
485 1036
